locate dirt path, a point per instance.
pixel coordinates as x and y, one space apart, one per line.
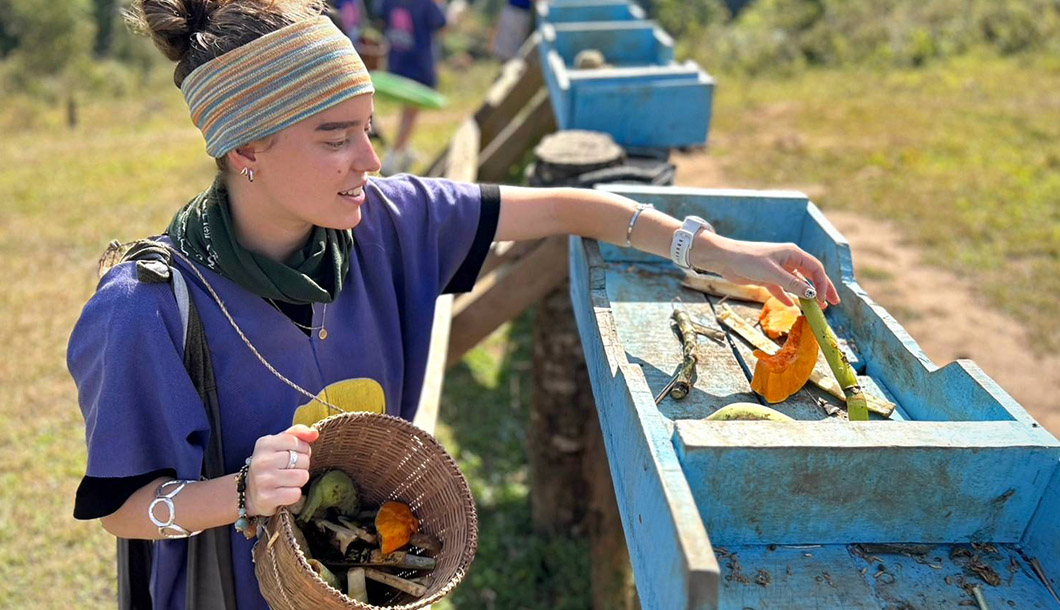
943 313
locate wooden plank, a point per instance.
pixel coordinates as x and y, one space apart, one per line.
783 577
1042 539
513 142
849 577
462 161
430 396
673 562
461 165
641 301
801 482
505 253
506 293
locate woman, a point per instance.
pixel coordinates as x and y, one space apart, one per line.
331 276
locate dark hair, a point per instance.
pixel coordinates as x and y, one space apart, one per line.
192 32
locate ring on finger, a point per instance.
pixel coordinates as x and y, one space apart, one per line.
292 459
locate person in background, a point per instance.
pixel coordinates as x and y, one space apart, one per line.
513 26
351 16
410 27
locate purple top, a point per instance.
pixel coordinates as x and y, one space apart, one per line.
410 25
142 415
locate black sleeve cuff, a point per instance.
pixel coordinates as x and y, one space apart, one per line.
98 497
467 274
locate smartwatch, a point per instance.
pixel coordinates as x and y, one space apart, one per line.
681 246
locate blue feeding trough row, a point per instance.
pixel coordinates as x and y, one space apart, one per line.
589 10
644 99
960 488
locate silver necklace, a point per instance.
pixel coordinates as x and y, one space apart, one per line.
323 334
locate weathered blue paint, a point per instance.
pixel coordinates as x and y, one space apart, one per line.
673 563
622 43
961 461
1042 538
831 482
572 12
848 578
646 101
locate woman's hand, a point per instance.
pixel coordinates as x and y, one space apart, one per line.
778 267
270 482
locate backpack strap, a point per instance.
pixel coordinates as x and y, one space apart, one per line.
210 578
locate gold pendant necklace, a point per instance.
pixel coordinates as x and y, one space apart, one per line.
323 334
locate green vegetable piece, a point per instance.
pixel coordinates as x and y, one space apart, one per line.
332 489
324 573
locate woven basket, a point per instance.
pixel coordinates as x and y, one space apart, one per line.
388 459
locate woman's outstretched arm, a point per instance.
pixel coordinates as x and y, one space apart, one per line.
533 213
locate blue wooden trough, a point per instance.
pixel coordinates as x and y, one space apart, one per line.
641 97
589 10
959 493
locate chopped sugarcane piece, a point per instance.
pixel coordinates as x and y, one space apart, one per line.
686 332
427 542
401 584
857 408
375 559
683 383
356 588
341 537
334 488
747 411
403 560
720 287
362 533
820 377
325 574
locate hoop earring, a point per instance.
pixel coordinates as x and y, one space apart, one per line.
249 173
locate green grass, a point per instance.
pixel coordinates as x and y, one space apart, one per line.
962 154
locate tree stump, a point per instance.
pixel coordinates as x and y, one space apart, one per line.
571 488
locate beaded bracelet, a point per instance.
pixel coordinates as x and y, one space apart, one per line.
243 524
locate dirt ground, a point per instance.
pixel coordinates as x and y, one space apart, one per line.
942 312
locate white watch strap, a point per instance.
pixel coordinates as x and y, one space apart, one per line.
681 245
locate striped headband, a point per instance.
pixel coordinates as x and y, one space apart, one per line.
272 83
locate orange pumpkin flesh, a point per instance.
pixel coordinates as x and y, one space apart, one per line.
395 524
777 318
784 373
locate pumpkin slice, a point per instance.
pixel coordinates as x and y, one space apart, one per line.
777 318
395 524
784 373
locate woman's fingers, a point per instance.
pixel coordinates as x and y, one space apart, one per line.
303 433
808 265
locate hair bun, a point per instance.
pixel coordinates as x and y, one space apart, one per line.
171 24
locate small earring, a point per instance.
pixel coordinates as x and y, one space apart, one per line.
249 173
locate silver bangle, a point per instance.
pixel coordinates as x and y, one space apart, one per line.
629 230
169 527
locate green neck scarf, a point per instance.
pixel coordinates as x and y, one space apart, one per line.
203 231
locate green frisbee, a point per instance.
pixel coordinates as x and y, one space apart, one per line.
406 90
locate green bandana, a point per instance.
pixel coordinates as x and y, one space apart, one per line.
203 231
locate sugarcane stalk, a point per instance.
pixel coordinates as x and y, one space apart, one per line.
686 331
857 408
820 376
721 287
